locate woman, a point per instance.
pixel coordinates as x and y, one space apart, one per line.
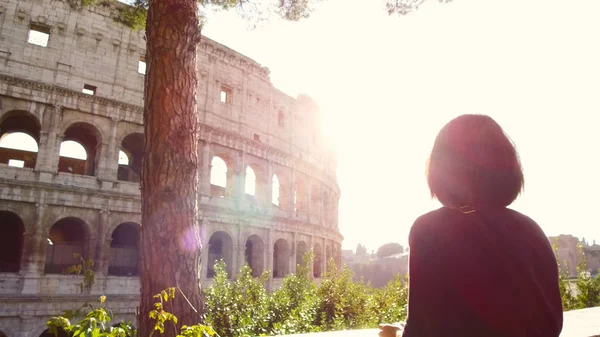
478 268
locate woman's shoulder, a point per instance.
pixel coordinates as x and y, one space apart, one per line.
429 220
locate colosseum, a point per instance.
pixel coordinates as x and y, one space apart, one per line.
71 137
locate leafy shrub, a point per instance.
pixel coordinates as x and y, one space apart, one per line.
343 303
391 301
238 308
294 307
242 307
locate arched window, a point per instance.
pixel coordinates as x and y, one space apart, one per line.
19 137
19 141
275 190
218 172
281 254
67 237
72 149
130 158
123 259
11 242
79 150
220 247
317 262
301 250
254 254
250 181
123 158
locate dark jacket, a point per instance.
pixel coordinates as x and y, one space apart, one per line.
488 273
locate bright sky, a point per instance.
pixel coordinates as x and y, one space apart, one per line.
387 84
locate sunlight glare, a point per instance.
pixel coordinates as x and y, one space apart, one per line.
123 158
250 181
72 149
275 190
218 172
19 141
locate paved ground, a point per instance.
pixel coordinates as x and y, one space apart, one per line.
582 323
578 323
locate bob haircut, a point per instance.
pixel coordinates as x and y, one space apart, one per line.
474 163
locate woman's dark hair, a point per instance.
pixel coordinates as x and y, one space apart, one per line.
473 162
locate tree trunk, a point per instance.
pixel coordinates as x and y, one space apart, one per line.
170 245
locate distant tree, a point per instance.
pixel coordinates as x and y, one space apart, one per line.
403 7
361 250
389 249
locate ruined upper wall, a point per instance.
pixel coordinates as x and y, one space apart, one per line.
88 48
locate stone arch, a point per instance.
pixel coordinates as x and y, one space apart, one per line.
67 236
220 247
285 188
47 333
20 133
124 250
256 180
219 177
254 254
11 242
132 148
281 258
88 137
301 250
318 260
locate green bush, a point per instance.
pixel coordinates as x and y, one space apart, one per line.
391 301
343 303
238 308
294 306
588 288
242 307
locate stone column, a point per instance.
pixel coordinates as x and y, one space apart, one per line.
205 173
240 181
292 192
241 244
269 185
27 326
47 157
32 261
108 161
269 249
102 245
293 252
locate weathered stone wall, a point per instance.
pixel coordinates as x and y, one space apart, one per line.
570 256
257 126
